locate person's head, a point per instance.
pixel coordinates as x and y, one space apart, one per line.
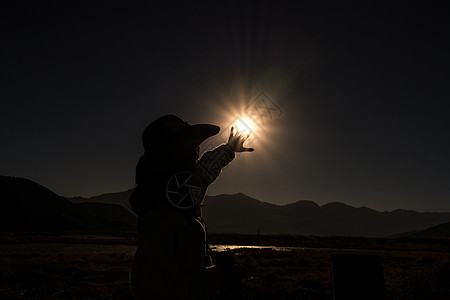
170 145
170 135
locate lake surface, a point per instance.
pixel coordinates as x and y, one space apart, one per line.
221 248
97 249
94 249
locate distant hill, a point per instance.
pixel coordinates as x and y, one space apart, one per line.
120 198
239 213
112 214
28 206
441 230
242 214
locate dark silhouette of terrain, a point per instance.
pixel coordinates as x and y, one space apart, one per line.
357 277
242 214
441 230
120 198
111 214
28 206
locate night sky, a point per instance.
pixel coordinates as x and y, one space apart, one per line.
362 92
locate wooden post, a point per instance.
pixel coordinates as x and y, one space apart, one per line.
357 277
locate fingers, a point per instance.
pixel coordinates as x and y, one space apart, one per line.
231 132
238 135
237 139
243 135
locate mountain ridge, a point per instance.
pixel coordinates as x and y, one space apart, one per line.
28 206
224 213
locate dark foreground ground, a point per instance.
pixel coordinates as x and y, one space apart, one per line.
68 266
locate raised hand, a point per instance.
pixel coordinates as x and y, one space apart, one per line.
236 141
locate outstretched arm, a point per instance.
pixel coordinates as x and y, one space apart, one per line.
213 161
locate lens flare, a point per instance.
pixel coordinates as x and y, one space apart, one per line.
245 125
247 111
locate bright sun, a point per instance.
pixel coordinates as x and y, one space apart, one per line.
245 125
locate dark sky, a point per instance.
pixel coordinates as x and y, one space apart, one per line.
363 90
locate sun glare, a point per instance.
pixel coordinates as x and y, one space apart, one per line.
245 125
247 111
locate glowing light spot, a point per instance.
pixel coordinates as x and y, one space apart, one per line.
245 125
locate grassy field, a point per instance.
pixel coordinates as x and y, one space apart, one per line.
79 267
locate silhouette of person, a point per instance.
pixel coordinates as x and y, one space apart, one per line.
172 261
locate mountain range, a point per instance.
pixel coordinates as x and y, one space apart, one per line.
27 206
242 214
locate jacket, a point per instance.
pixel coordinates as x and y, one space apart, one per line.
171 261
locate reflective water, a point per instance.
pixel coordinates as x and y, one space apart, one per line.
95 249
221 248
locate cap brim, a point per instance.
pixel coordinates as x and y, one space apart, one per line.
196 134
